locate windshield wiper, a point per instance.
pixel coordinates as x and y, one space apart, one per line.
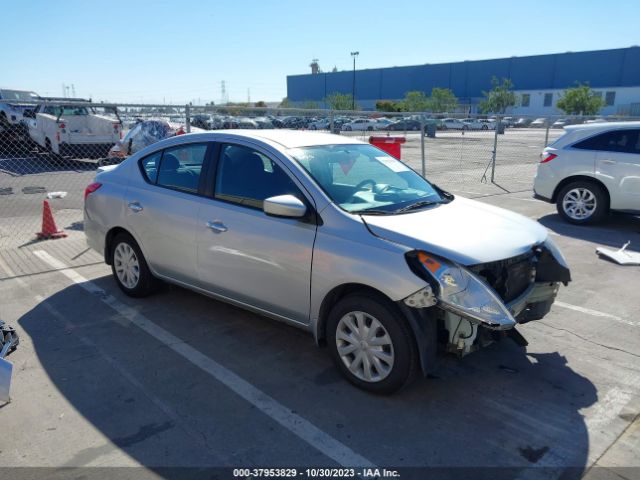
413 206
373 211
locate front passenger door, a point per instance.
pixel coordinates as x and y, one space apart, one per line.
246 255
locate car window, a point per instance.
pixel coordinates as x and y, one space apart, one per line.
181 166
149 166
360 177
622 141
247 177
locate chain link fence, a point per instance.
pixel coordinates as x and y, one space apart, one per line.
50 150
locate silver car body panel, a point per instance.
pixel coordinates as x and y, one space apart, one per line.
288 273
444 230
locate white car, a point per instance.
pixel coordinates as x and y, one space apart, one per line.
361 125
539 123
73 129
13 103
590 170
322 124
454 124
475 124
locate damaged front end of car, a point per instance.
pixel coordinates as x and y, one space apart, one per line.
475 305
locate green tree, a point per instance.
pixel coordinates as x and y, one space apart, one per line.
260 104
442 100
309 105
387 106
580 100
340 101
285 103
415 101
500 97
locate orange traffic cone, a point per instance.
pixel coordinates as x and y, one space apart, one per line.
49 228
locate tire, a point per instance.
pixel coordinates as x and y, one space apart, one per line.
347 128
594 206
444 127
401 348
146 283
485 127
369 129
465 127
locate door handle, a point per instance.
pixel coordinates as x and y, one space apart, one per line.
609 162
217 226
135 207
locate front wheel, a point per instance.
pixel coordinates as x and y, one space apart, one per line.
371 343
130 268
582 202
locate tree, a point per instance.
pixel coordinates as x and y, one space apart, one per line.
387 106
260 104
285 103
500 97
580 100
415 101
309 105
340 101
442 100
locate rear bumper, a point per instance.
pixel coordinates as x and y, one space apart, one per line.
85 150
541 197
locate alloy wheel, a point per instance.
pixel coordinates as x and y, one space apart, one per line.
579 203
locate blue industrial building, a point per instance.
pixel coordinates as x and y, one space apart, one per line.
538 79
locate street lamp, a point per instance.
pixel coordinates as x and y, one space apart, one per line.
353 88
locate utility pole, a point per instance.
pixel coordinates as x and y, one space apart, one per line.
353 88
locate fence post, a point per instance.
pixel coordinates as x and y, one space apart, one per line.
495 149
187 116
546 135
331 122
424 163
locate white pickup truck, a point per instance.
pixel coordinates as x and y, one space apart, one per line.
73 130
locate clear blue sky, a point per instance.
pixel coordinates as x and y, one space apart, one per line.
180 50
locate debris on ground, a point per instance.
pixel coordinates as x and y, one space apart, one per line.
621 256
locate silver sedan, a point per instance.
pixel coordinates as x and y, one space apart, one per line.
331 235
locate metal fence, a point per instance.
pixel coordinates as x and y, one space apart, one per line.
50 151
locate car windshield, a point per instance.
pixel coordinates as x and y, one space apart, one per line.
18 95
361 178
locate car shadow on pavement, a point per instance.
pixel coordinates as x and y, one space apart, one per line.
499 411
30 165
616 230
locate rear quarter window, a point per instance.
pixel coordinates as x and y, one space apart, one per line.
621 141
149 167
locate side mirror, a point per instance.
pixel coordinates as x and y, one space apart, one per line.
284 206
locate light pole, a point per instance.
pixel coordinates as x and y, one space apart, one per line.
353 88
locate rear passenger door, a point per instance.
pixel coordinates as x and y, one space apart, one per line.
618 165
162 209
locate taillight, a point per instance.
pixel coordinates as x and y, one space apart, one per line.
547 157
92 187
61 125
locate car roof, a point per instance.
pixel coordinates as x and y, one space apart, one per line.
286 138
592 127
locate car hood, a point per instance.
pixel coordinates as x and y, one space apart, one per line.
463 230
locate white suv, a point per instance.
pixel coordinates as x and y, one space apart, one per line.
591 170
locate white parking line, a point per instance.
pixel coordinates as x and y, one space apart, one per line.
596 313
297 425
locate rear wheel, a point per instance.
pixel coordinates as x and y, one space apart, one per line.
371 343
582 202
130 268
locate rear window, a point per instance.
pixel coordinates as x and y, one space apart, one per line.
621 141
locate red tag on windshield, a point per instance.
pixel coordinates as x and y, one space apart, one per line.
346 165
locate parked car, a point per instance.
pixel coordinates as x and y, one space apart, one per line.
145 133
12 106
203 121
361 125
560 123
539 123
590 170
487 123
331 235
454 124
321 124
522 122
404 125
475 124
263 122
72 129
508 122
